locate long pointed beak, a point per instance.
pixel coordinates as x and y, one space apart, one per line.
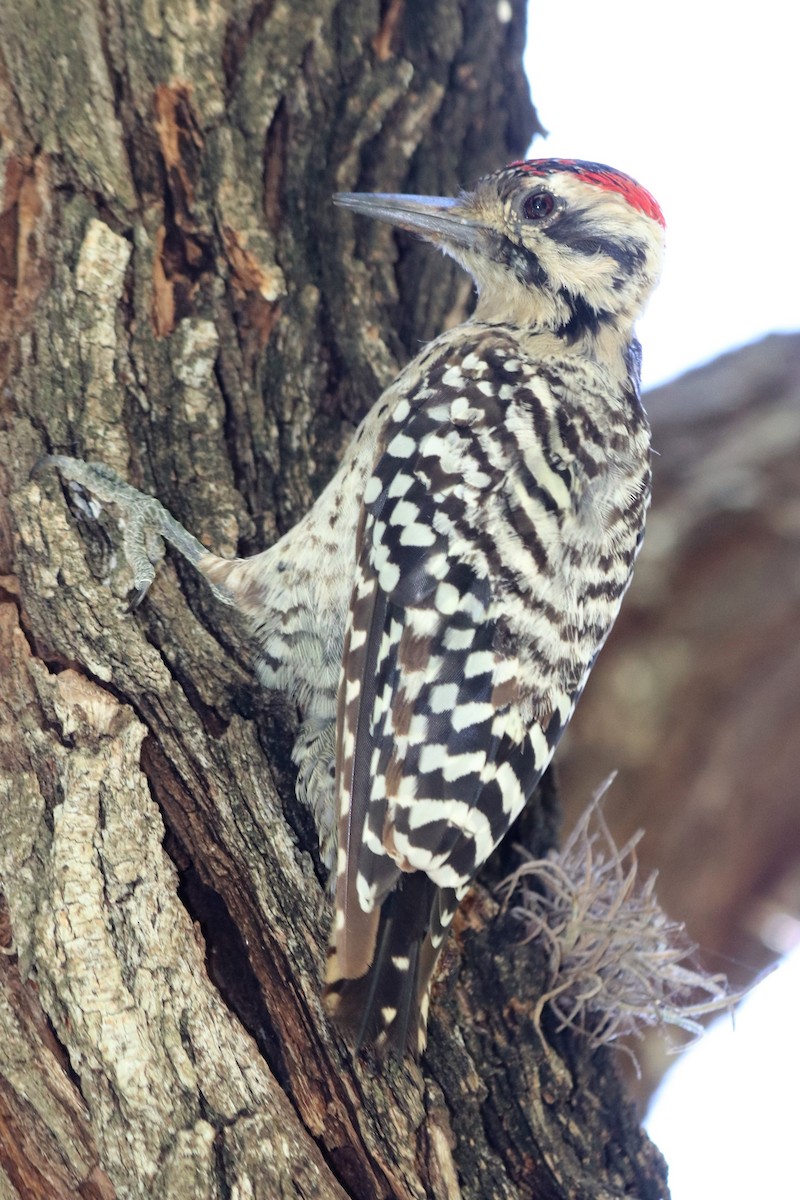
435 217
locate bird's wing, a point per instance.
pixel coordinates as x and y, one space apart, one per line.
434 757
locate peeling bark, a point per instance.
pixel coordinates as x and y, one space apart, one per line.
180 300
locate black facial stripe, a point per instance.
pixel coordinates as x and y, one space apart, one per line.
521 261
574 229
583 318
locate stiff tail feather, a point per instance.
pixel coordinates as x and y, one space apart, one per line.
387 1006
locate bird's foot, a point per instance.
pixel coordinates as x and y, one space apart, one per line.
145 523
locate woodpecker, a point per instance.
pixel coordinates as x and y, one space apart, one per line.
437 612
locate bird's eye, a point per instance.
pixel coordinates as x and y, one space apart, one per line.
538 205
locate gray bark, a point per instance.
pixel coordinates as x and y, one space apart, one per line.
180 301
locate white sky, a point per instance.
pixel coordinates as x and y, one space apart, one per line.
727 1118
700 102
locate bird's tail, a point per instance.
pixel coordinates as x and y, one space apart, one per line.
387 1006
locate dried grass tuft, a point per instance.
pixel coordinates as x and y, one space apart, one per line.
618 963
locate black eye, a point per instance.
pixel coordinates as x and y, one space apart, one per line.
538 205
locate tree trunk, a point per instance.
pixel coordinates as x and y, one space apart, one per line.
181 301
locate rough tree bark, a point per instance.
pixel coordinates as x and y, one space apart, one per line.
180 300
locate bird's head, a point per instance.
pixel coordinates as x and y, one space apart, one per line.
555 244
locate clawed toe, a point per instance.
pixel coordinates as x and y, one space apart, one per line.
146 523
